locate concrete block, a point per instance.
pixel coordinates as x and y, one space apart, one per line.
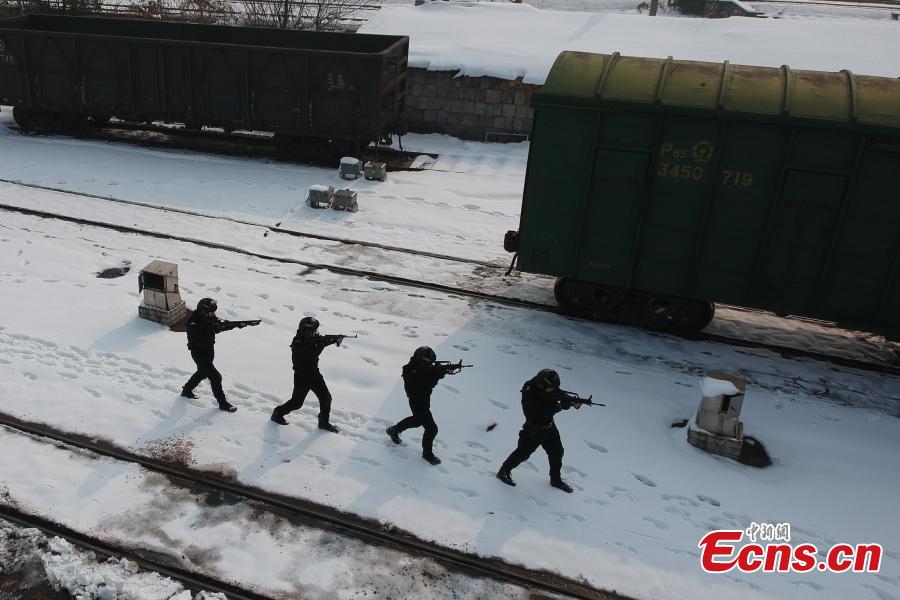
509 110
345 200
320 196
350 168
492 96
375 171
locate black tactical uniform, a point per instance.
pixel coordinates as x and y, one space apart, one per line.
202 327
306 347
541 400
420 376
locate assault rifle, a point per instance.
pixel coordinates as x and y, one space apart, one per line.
241 324
338 338
573 397
450 368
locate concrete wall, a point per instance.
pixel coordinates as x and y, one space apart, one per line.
472 108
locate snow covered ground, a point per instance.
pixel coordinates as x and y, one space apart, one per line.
486 39
74 354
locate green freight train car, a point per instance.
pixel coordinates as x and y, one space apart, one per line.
656 188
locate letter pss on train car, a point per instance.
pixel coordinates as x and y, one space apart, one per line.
308 87
656 187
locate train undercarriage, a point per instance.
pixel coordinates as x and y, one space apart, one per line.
657 312
287 144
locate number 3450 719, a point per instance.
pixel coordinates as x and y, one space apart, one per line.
735 178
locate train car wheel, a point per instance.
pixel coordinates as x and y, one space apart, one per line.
24 118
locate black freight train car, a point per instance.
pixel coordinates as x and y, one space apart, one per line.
60 72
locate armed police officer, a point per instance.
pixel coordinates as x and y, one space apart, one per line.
202 327
541 400
306 347
420 376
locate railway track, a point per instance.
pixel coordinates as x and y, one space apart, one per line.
316 515
486 267
192 581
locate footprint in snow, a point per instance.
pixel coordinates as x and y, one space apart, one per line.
570 470
656 522
567 516
620 492
461 347
538 501
371 361
464 493
477 446
708 500
680 499
644 479
366 461
596 501
596 447
28 375
499 404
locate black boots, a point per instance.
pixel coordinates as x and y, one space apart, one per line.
186 393
328 427
224 405
505 476
394 434
277 417
431 458
561 485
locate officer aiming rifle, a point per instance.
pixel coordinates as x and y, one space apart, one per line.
306 347
420 376
202 327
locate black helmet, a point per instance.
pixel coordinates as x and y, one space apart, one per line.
424 354
207 305
546 379
309 324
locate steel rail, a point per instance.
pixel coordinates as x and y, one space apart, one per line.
785 351
190 580
347 523
372 275
272 228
